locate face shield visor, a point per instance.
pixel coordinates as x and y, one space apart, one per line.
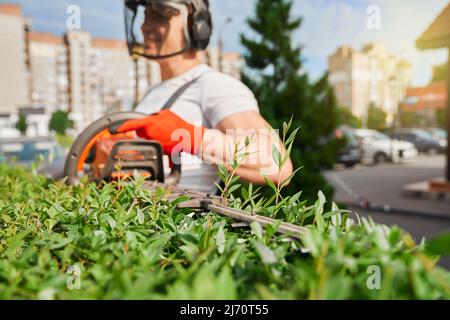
157 29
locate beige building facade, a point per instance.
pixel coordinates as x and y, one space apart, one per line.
369 76
49 83
86 76
103 78
14 78
73 72
79 47
227 62
114 75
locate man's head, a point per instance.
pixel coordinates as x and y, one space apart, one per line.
170 27
163 29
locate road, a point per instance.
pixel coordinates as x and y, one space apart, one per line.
382 185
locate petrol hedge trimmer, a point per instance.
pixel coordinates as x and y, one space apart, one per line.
133 157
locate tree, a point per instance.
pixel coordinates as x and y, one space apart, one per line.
60 122
410 119
283 90
376 119
22 124
345 117
441 118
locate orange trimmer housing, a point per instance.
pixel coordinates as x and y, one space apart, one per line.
105 155
101 146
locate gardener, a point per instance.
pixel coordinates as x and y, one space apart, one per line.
207 115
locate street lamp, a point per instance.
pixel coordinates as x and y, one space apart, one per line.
220 40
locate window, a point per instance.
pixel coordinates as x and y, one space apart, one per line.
423 134
379 136
412 100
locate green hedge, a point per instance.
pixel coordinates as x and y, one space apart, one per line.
128 244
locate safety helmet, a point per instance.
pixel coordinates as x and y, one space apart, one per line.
197 25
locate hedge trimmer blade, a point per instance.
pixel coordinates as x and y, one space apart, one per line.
207 202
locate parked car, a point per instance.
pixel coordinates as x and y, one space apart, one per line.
27 150
439 135
378 147
422 140
351 153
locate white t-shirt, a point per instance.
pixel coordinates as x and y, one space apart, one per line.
211 98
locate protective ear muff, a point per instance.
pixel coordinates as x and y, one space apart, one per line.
200 29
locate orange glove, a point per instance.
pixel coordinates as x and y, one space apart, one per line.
103 147
161 126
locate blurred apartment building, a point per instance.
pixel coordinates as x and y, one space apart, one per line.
370 76
426 106
72 72
44 72
48 69
227 62
86 76
427 98
427 103
14 84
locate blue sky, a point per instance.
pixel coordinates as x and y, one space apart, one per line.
326 25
